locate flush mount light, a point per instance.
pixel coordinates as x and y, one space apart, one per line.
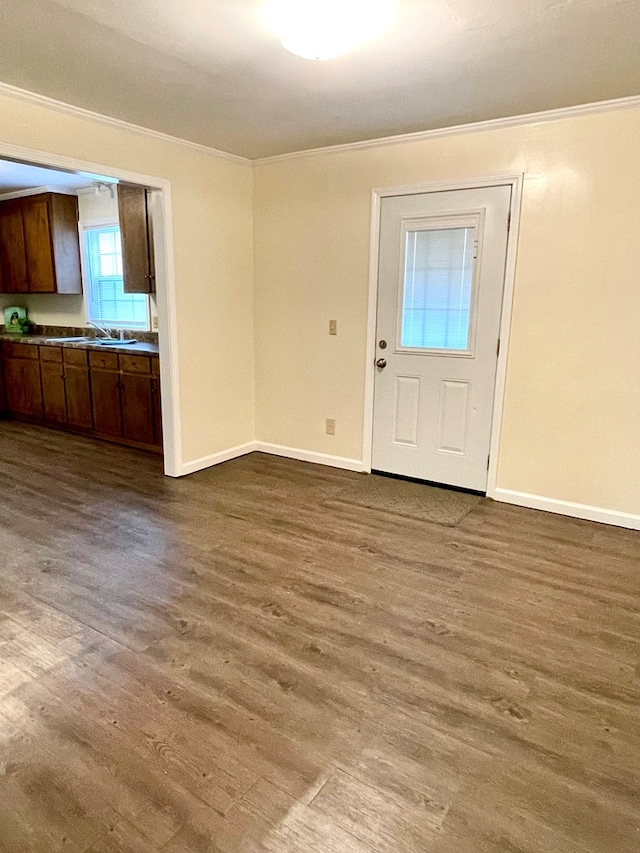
326 29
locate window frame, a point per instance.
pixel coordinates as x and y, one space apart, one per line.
473 219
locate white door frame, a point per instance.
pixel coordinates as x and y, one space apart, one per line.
515 181
165 287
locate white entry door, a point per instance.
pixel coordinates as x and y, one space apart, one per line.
441 277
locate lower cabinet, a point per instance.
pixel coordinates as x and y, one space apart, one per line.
105 393
137 407
112 395
54 398
77 389
22 380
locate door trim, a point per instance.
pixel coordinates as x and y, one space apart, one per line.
165 287
515 181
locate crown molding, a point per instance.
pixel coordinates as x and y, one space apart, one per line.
613 105
79 112
457 130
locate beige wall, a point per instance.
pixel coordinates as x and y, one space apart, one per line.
212 225
49 309
572 407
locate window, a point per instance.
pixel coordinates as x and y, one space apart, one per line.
107 303
437 286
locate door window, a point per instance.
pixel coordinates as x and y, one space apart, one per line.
437 288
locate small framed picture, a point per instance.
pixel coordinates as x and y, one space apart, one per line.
14 316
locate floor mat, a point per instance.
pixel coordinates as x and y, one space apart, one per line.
411 500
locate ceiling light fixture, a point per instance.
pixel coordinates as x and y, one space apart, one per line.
326 29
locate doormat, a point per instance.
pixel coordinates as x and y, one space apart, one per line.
412 500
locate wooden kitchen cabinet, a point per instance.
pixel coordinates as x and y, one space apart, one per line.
111 395
66 390
157 410
13 259
39 244
54 398
23 385
77 388
3 396
105 393
137 408
139 404
136 232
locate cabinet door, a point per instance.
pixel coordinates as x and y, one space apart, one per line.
137 408
37 240
53 392
23 387
78 393
157 411
65 242
12 250
3 396
137 255
105 397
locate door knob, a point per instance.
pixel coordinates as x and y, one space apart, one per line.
381 363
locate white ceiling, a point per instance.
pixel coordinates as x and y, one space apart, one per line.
17 177
207 71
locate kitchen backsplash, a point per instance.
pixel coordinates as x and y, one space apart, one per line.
77 331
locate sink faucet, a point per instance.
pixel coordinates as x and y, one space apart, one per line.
102 329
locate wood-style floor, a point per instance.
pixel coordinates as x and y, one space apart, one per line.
223 663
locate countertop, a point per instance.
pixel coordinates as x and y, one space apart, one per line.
49 340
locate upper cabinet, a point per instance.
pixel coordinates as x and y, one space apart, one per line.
39 245
13 259
134 211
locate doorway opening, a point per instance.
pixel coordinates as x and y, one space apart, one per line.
85 261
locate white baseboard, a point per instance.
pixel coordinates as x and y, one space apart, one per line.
590 513
311 456
217 458
276 450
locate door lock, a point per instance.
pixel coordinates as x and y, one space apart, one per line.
382 344
381 363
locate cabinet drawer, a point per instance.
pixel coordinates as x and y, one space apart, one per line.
51 353
106 360
155 365
76 356
135 363
11 350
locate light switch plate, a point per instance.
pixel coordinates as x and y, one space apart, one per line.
333 327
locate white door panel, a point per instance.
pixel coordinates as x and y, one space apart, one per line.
441 276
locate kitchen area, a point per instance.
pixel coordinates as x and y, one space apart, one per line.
79 341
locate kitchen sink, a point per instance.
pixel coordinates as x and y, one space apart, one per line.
71 340
105 342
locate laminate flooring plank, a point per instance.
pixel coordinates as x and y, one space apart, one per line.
40 618
385 822
122 837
